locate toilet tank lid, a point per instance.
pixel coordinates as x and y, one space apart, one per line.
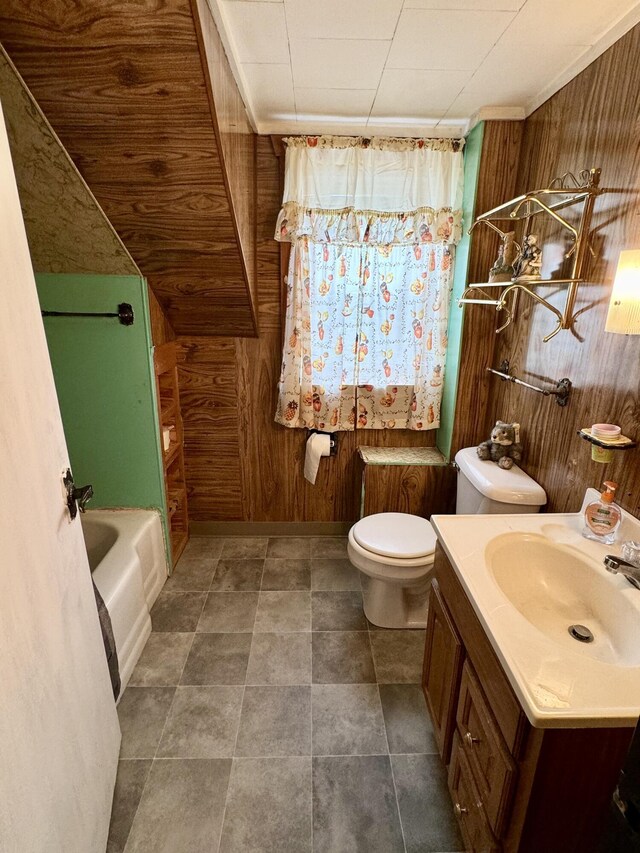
511 486
396 534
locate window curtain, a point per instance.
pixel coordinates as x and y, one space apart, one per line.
373 225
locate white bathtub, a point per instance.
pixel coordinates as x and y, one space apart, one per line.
128 563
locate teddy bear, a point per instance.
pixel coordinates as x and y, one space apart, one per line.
503 446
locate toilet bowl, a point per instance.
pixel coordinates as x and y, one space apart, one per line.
394 552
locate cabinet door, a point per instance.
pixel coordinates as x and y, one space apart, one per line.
441 671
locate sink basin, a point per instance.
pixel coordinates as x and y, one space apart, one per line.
554 588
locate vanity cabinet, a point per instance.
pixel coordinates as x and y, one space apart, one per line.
515 788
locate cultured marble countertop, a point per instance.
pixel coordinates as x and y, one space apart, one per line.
559 681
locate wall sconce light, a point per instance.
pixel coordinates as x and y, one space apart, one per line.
624 306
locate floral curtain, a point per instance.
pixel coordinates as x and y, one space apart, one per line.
368 289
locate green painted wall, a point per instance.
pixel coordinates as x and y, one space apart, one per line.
106 387
472 153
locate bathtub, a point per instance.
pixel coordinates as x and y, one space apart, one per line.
129 566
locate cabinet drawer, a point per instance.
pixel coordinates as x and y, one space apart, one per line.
493 768
468 805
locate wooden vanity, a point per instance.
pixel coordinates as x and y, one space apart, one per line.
514 787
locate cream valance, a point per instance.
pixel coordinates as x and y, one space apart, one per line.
379 191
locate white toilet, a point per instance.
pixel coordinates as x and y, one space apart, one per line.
394 550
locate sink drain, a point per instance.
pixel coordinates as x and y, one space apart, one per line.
581 633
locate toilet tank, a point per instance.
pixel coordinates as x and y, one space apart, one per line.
484 487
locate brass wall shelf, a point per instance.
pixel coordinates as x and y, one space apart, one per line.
563 192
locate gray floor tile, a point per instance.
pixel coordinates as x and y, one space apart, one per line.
286 574
202 546
177 611
398 656
245 547
407 720
325 547
334 574
130 783
268 806
142 712
283 611
275 721
290 547
347 720
342 657
228 612
182 807
354 806
428 821
192 574
217 659
202 723
232 574
337 611
280 659
162 660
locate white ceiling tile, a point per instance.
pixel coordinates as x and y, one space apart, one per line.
271 90
568 21
357 19
334 102
419 94
337 64
477 5
512 71
258 30
465 105
458 39
341 128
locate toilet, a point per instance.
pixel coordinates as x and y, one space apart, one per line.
394 551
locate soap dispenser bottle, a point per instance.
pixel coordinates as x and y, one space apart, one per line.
602 517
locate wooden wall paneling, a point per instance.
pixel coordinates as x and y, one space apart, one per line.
236 139
496 183
124 87
418 489
258 462
592 121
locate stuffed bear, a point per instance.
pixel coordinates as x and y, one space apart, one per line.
503 446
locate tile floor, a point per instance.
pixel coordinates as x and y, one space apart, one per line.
266 714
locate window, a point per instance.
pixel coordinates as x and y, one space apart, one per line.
368 290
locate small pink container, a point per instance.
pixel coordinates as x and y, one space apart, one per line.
605 431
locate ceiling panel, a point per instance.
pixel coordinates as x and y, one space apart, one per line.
259 30
338 63
477 5
405 67
335 19
456 39
409 93
272 88
354 103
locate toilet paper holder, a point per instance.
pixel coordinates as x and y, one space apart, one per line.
333 440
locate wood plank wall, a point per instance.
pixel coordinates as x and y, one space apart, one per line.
496 182
125 87
593 121
241 466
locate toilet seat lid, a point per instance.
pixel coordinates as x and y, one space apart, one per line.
396 534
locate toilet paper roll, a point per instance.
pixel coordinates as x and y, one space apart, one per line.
318 445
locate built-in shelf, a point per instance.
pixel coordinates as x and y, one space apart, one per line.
165 361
